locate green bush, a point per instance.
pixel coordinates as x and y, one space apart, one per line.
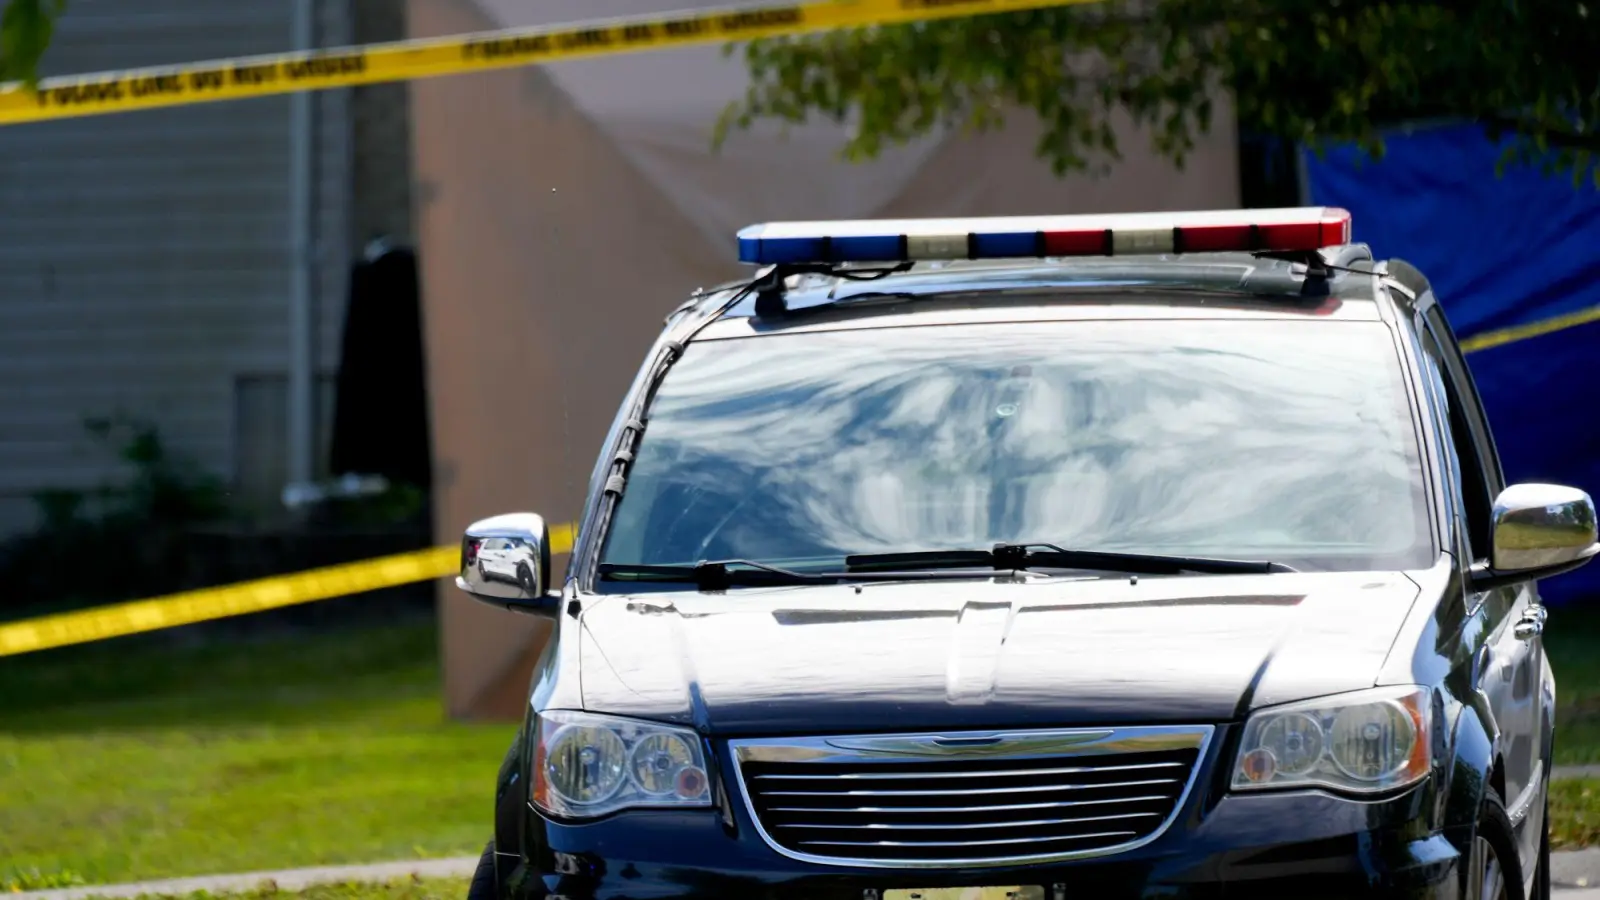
169 526
120 539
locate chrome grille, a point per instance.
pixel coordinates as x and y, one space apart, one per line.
948 800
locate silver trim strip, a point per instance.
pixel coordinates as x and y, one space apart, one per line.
1001 842
977 792
1523 804
1007 807
1043 743
912 826
975 773
925 745
1000 744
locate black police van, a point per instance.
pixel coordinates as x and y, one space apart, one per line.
1161 555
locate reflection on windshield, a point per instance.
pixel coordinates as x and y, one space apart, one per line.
1288 441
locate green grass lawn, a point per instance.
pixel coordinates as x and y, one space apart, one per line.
127 760
406 889
1572 638
124 760
1575 814
409 889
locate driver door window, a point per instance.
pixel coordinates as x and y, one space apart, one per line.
1459 378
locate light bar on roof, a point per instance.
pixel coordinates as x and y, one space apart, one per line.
1033 237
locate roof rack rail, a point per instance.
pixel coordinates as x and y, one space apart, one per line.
1349 254
1318 263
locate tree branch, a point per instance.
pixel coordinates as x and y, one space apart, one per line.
1558 139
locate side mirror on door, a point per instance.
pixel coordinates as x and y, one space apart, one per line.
1539 530
505 562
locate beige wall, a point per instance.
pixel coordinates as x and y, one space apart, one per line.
548 261
529 352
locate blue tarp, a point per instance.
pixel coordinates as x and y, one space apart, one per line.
1500 252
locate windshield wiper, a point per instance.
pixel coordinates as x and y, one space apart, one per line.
931 565
1049 556
710 576
723 574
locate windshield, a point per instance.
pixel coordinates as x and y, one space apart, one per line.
1273 440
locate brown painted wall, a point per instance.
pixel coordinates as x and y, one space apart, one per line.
521 203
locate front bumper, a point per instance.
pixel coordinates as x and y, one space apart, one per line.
1303 845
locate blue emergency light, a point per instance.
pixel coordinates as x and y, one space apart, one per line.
1295 230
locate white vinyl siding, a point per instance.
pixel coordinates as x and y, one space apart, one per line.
144 256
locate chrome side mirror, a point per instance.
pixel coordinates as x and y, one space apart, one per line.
505 562
1539 530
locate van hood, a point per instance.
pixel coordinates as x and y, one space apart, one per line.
987 653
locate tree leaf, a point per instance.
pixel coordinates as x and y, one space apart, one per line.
26 28
1314 71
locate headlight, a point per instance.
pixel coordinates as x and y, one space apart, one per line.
588 765
1366 742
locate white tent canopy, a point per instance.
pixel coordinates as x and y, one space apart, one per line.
660 108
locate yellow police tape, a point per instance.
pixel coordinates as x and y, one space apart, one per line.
1515 333
203 605
187 608
256 76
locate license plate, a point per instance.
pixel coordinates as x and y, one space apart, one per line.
1032 892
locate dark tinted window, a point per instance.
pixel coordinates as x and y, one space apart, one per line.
1289 441
1472 470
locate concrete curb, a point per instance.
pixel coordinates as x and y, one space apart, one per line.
1565 773
1576 868
288 879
